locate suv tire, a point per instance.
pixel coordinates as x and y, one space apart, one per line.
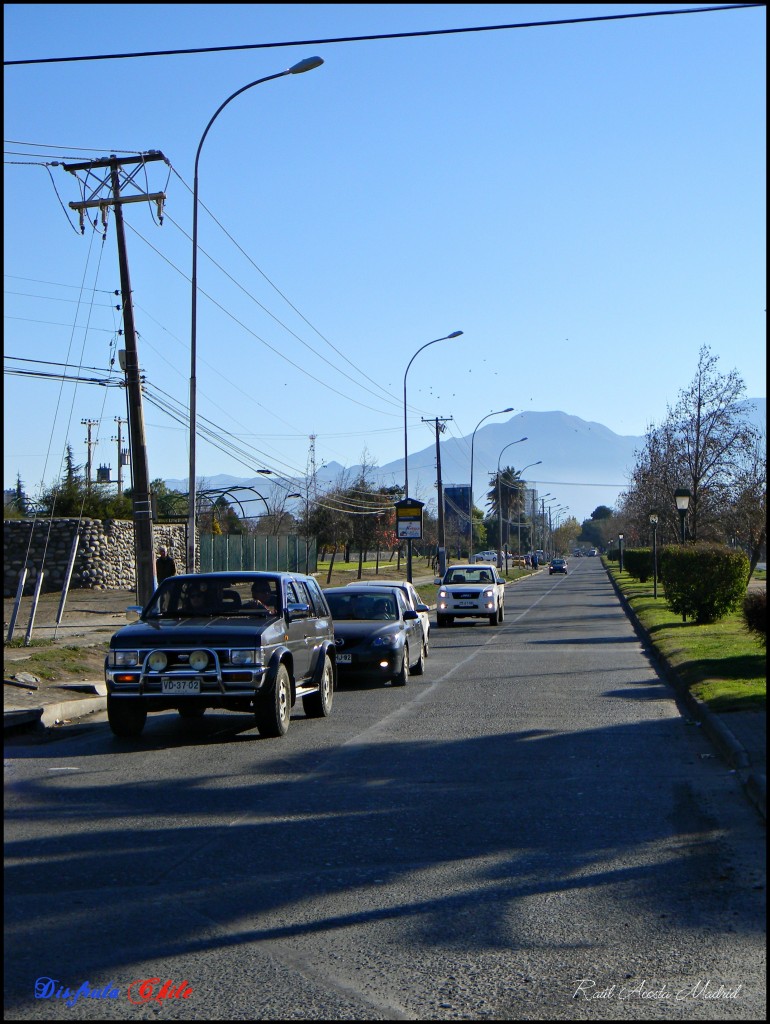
273 709
319 705
126 717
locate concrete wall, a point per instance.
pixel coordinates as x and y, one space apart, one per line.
105 559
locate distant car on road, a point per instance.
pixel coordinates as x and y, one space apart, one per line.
557 565
376 633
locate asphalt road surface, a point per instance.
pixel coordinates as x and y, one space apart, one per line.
532 830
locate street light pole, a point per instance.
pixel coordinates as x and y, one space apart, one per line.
304 65
473 438
445 337
500 505
538 463
654 524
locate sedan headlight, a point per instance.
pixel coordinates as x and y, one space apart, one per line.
199 660
391 640
123 659
250 657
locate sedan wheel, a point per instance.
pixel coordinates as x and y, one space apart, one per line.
419 668
403 675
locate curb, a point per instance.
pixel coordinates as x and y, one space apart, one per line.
731 750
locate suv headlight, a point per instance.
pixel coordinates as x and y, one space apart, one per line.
250 657
199 660
443 592
123 659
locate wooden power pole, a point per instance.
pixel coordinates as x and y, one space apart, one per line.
145 562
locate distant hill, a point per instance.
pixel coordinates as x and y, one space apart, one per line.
583 464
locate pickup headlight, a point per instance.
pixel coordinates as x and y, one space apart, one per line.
489 592
250 657
123 659
443 592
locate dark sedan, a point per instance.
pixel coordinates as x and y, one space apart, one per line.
557 565
376 634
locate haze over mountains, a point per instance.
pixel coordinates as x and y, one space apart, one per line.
583 464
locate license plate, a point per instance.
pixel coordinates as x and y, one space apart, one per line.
177 686
466 604
344 659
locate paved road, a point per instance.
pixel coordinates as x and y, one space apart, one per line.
531 830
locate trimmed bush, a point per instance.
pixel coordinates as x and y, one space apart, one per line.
703 581
638 563
755 614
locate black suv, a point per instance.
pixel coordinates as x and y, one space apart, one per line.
243 641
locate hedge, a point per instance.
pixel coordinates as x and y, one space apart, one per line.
703 581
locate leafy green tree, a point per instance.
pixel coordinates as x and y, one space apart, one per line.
599 529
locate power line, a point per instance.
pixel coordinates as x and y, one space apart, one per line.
386 35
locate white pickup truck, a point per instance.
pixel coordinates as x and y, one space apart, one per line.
470 591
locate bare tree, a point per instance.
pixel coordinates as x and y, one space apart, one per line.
701 445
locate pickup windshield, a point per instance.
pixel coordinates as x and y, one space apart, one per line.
470 575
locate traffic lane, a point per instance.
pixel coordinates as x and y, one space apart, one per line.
431 834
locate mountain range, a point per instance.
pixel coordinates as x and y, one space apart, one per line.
582 464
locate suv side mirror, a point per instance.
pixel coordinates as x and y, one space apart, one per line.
297 611
134 612
410 613
437 581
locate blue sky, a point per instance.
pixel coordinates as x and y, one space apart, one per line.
585 202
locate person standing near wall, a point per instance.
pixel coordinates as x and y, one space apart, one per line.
164 565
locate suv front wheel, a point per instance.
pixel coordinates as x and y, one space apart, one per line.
272 710
126 717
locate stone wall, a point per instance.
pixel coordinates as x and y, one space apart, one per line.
105 558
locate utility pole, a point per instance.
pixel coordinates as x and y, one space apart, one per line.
440 428
89 444
145 563
122 453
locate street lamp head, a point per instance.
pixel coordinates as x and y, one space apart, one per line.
654 519
682 498
454 334
305 65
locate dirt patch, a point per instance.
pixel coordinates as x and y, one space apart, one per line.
70 651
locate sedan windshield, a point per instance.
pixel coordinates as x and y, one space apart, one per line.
362 606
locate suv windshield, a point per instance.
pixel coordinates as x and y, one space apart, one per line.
207 596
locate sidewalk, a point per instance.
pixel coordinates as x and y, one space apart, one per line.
91 617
